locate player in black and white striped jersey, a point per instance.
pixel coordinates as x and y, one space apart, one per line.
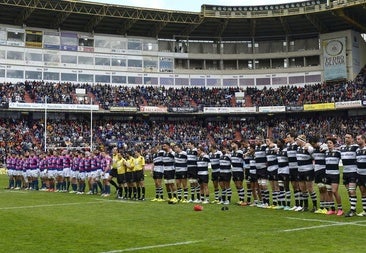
180 164
348 156
215 155
361 170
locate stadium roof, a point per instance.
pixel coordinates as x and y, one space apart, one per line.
211 23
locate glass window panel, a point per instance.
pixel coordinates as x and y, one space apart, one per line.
102 79
86 42
16 36
116 44
69 59
134 45
118 79
102 43
51 58
102 61
52 76
69 77
33 56
86 60
12 73
2 72
33 75
86 78
134 63
2 54
13 55
119 62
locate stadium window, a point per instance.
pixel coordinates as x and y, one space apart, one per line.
15 36
13 73
2 54
2 72
86 42
33 39
33 75
15 55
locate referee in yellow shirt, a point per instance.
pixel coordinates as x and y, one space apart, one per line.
121 176
139 171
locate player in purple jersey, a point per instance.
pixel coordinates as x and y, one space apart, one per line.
10 166
66 165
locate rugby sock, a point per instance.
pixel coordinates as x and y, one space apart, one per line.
305 198
353 202
198 191
275 198
364 203
179 192
314 199
193 189
241 194
217 192
297 196
249 195
143 192
138 192
161 193
229 194
185 193
74 187
223 195
288 197
113 183
100 186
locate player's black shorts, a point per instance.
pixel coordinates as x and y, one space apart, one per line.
121 178
113 173
139 175
238 176
349 178
129 177
169 174
262 173
332 179
215 176
225 177
192 172
294 175
361 180
181 175
203 179
320 176
306 176
158 175
284 177
273 175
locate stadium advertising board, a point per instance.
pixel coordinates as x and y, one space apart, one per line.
334 58
319 107
62 107
266 109
220 110
154 109
122 109
348 104
183 109
294 108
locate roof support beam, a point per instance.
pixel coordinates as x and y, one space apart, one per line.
340 13
316 23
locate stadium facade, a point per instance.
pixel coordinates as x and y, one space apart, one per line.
221 46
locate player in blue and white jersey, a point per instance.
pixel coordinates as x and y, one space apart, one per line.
237 169
225 175
262 174
158 172
348 156
292 164
192 171
169 173
361 170
306 173
332 158
319 170
284 196
203 176
272 170
215 155
180 164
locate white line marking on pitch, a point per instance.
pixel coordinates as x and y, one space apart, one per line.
151 247
332 223
120 201
48 205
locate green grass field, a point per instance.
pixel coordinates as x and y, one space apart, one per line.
62 222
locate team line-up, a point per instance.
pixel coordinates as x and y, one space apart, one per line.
267 167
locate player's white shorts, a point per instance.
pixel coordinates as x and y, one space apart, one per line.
74 174
105 175
82 175
52 174
33 173
67 172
